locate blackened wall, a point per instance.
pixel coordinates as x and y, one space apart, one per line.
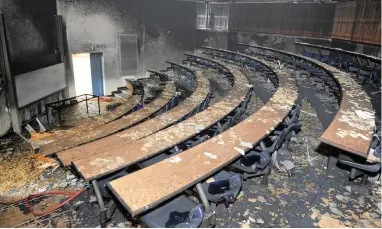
358 21
215 39
31 28
277 41
304 19
32 44
99 22
165 29
285 42
169 30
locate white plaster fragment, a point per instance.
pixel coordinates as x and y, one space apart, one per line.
175 159
241 151
210 180
246 144
124 135
353 134
210 155
44 142
165 117
199 128
99 161
364 114
221 142
119 160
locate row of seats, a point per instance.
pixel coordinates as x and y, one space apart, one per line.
129 101
112 160
194 103
165 97
192 132
352 133
364 67
146 189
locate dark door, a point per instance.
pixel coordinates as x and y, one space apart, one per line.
96 70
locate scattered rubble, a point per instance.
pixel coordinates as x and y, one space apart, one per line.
328 222
307 198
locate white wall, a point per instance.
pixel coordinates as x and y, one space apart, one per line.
35 85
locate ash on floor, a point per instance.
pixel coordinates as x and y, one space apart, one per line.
80 112
305 198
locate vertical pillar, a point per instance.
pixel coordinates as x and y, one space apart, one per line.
10 89
60 39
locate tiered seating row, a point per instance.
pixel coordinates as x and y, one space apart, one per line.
144 113
102 164
196 102
128 103
146 188
354 124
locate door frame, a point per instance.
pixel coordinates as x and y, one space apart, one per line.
103 69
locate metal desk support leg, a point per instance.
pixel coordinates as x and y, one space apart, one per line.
102 209
208 215
87 107
99 108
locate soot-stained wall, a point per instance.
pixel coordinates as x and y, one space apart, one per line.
164 28
304 19
31 28
277 41
169 30
215 39
287 43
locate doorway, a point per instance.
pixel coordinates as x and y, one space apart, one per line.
88 73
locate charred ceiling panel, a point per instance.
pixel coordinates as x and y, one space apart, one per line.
31 28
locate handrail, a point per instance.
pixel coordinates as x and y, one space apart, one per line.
58 107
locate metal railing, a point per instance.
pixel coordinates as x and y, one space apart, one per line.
58 105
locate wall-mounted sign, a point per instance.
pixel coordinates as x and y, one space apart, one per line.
93 47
